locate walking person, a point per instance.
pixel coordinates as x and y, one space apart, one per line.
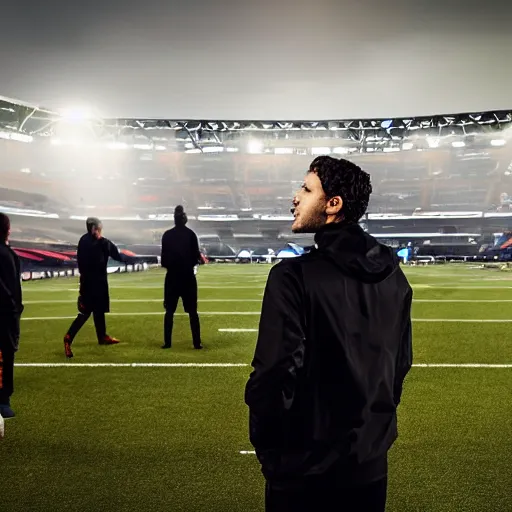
333 349
93 253
180 256
11 308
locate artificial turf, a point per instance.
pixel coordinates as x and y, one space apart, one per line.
169 438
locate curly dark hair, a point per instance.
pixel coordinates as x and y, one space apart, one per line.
347 180
5 226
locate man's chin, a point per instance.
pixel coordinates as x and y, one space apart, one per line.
299 228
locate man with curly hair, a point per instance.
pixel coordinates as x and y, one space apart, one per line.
333 350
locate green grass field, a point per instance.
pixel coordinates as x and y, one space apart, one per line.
125 438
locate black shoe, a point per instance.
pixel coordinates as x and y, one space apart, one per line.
198 347
6 412
166 346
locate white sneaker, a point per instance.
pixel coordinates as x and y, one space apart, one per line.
2 427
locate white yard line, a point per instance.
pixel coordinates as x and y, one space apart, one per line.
257 313
63 301
433 301
227 365
463 300
131 365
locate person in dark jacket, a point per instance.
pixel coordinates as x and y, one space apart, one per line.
11 308
92 255
333 349
180 255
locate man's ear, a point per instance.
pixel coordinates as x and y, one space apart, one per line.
334 206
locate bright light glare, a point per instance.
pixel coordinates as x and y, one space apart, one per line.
117 145
458 144
20 137
255 146
498 142
283 151
232 150
25 171
56 142
76 114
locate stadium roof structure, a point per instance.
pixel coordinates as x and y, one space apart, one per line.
26 123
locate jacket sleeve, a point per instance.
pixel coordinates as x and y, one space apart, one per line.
195 249
164 256
404 356
114 253
278 359
7 295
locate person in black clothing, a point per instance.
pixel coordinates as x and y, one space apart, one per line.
11 308
180 254
92 255
333 349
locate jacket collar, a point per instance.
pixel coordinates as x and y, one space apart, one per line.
338 231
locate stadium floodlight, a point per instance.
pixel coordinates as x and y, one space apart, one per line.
433 142
498 142
458 143
320 151
406 146
283 151
255 146
76 114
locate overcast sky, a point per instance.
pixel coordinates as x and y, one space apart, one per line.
267 59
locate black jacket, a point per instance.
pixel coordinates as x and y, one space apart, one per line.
333 349
92 256
11 304
180 250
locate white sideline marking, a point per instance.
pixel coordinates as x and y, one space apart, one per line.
245 452
60 301
461 365
254 313
151 313
238 330
462 300
132 365
227 365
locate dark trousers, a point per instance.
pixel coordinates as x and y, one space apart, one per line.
6 374
79 322
327 497
195 327
182 286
